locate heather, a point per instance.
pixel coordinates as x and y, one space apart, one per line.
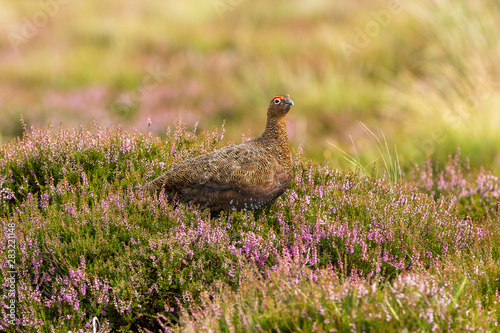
292 298
340 250
474 192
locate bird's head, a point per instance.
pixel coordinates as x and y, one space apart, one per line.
279 106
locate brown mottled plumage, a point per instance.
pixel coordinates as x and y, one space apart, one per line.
247 176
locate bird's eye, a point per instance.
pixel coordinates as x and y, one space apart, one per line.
277 101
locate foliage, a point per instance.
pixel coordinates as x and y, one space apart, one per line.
339 249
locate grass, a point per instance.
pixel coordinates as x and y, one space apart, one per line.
339 250
389 163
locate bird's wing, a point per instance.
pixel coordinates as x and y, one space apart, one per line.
235 167
230 167
240 184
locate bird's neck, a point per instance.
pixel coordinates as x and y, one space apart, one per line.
276 131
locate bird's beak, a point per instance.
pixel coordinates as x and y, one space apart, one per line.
289 103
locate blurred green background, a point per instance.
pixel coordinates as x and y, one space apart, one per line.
426 73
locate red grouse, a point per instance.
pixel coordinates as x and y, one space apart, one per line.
247 176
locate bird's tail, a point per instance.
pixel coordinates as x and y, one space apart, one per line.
145 187
154 185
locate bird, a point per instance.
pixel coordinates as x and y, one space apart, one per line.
242 177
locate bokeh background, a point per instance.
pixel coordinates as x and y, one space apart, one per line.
425 73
